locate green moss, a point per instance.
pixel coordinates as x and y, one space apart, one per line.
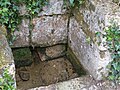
21 53
75 62
22 57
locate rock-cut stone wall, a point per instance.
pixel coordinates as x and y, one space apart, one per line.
49 27
6 58
91 18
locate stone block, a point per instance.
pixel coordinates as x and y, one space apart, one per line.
22 57
80 83
49 30
53 7
51 52
6 58
22 35
88 53
82 38
55 51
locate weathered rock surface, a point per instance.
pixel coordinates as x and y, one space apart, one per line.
22 57
55 50
49 30
87 52
83 41
53 7
81 83
22 35
51 23
6 58
52 52
45 73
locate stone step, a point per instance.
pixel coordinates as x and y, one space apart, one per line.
81 83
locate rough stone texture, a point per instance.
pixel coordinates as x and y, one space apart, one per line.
22 57
45 73
6 57
23 9
57 24
22 35
47 53
81 83
82 40
49 30
55 51
53 7
87 53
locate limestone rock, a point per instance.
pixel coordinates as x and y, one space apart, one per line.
22 35
48 53
53 7
49 30
82 39
6 58
81 83
87 53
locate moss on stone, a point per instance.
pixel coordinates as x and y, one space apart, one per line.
22 53
22 57
75 62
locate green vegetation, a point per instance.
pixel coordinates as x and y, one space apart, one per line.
10 16
115 1
6 81
22 57
113 41
112 37
73 3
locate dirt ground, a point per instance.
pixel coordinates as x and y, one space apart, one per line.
44 73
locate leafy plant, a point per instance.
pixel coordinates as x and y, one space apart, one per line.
10 17
113 42
6 81
73 3
33 6
76 2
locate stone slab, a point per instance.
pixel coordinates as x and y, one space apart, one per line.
6 58
49 53
87 52
81 83
49 30
22 35
82 38
53 7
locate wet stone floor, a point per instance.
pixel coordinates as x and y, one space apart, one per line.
44 73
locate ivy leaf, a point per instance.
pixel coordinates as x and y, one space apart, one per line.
111 77
71 2
98 34
5 9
